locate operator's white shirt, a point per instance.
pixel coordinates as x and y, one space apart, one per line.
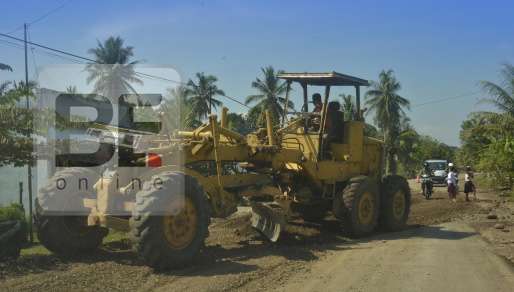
451 178
468 177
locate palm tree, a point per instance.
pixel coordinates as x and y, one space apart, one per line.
200 94
404 141
112 73
269 98
388 106
72 89
5 67
492 123
179 111
349 107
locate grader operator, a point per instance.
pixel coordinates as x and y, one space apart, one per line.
167 206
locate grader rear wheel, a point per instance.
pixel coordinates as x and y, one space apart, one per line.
169 225
61 219
358 207
394 203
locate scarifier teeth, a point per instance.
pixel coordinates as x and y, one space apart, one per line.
268 220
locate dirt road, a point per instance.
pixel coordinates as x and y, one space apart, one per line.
440 251
448 257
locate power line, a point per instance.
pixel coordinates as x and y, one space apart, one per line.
90 60
445 99
16 29
178 82
235 100
45 47
34 21
20 47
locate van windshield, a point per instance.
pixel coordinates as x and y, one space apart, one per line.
437 165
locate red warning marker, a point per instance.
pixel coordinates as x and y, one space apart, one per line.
154 160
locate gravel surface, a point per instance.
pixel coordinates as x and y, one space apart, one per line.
237 257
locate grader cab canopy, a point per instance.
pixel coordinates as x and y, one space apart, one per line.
326 79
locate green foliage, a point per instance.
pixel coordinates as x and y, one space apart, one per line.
499 123
5 67
179 110
239 123
16 212
383 99
269 97
372 132
498 159
509 195
348 107
16 123
112 75
487 137
200 92
72 89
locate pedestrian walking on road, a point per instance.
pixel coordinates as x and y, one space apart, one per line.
469 186
452 184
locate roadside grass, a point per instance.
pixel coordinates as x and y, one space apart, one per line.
115 235
482 181
34 249
37 249
16 212
509 195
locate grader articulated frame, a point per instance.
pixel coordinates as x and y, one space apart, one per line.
278 169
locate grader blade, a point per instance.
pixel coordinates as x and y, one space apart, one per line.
267 220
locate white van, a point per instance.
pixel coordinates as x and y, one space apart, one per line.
439 168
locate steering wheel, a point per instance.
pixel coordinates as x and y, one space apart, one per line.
310 120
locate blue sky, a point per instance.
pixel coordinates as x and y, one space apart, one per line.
438 49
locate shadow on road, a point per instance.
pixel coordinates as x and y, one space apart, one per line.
428 232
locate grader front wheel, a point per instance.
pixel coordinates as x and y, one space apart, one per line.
178 230
394 203
358 207
169 225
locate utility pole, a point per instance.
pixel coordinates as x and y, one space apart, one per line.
29 169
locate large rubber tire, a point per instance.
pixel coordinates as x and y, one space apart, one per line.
395 201
60 231
358 207
151 229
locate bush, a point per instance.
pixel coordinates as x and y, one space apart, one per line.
509 195
16 212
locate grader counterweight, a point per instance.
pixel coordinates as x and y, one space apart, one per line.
301 165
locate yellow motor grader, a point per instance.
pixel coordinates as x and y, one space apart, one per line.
167 199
